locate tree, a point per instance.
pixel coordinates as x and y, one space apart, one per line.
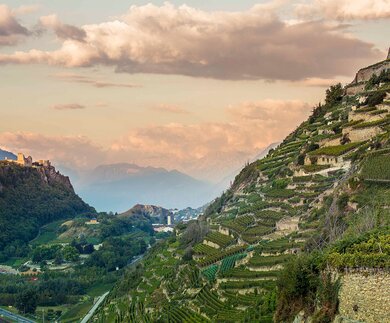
70 253
188 254
334 94
301 159
26 301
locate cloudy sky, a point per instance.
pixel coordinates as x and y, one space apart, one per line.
199 86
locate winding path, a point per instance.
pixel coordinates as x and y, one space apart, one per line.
94 308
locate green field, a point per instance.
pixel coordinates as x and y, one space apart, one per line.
48 233
99 289
77 312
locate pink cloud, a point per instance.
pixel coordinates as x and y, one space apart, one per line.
206 150
70 106
74 151
252 44
209 150
77 78
63 31
11 31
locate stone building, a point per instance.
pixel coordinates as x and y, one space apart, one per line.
23 161
288 224
324 160
211 244
28 161
224 230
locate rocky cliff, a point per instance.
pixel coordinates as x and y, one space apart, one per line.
31 197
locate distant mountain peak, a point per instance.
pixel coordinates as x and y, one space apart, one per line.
4 154
149 211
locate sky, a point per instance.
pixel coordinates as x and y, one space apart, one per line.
197 86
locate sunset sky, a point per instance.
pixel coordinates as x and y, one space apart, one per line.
198 86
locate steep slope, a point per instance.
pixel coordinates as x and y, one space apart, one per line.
327 179
228 179
115 187
29 198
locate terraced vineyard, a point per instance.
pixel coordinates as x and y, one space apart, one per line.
276 208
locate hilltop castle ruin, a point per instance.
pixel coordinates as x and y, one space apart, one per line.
28 161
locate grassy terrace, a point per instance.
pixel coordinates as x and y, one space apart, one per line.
259 261
280 193
376 168
220 239
270 215
370 124
314 168
352 123
205 250
242 272
179 315
365 109
335 150
279 245
247 299
221 255
265 284
378 112
208 301
229 262
210 272
269 165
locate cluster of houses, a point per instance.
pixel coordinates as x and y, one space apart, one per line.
168 227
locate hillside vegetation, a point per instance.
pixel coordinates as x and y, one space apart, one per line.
261 251
29 199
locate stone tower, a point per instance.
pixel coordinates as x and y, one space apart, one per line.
20 159
388 54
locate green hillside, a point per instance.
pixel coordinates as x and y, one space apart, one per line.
30 198
258 251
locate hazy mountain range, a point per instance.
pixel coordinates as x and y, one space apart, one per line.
6 154
115 187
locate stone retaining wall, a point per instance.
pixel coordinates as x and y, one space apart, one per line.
365 297
357 135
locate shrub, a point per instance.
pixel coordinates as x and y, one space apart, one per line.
327 296
334 94
297 287
375 98
280 183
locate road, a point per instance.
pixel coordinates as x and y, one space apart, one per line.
94 308
15 317
102 298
